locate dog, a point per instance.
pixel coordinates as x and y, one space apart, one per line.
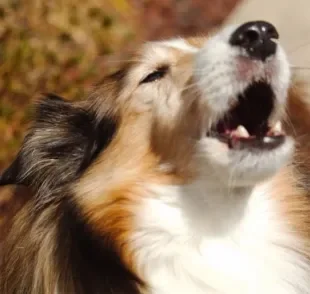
186 171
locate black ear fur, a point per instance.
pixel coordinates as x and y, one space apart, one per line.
64 140
11 175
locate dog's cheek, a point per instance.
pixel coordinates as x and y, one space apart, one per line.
175 132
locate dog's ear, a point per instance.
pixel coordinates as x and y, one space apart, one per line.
63 141
11 174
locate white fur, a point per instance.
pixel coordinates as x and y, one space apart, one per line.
224 71
206 238
241 168
223 233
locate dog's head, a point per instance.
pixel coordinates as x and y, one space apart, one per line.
206 106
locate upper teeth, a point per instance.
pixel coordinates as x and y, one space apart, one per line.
277 128
241 131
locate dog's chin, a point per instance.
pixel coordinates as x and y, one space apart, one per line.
242 167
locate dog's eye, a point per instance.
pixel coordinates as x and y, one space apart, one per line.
155 75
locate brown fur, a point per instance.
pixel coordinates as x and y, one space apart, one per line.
110 189
298 125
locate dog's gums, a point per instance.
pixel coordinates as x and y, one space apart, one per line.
185 172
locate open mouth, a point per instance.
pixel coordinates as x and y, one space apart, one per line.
245 126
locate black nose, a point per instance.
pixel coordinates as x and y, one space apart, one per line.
256 38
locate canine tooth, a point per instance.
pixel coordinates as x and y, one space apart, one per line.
277 127
241 131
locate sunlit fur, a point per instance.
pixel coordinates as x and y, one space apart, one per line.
132 197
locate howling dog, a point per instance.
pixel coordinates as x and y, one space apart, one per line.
187 171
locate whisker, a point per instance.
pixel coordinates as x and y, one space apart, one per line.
288 120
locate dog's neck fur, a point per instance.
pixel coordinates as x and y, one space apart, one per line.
207 238
210 208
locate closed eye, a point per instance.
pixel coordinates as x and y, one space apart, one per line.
155 75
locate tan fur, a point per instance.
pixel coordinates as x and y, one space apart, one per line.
153 136
11 201
293 204
292 187
197 41
112 189
113 204
298 125
31 247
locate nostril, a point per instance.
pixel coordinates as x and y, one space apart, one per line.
246 35
246 38
251 36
